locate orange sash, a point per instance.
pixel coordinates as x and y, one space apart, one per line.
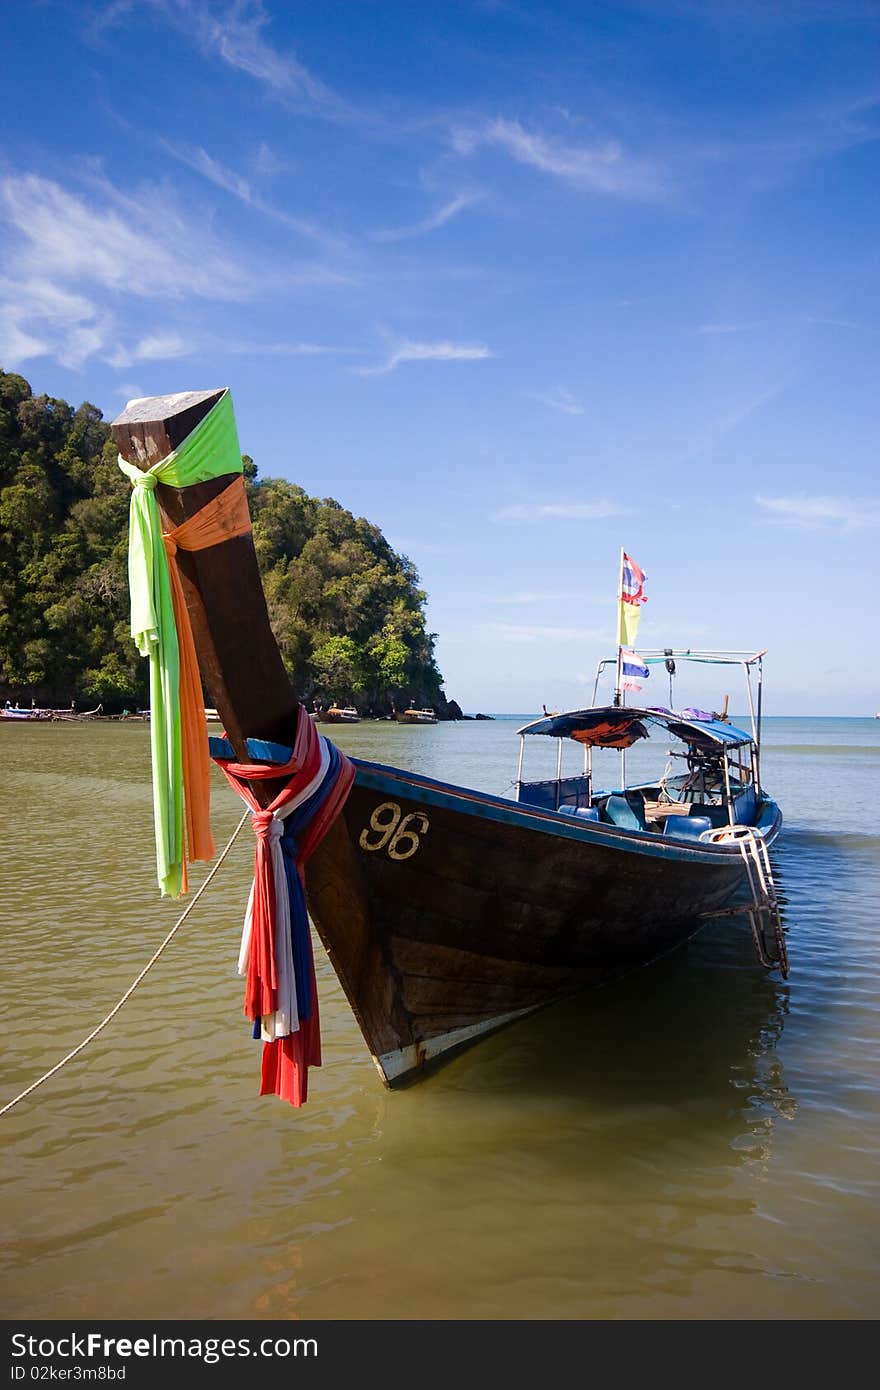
220 520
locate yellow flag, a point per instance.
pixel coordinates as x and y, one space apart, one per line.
628 623
631 597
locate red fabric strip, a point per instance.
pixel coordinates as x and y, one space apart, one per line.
286 1061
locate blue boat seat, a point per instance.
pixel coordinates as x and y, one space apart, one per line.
687 827
547 794
620 811
584 812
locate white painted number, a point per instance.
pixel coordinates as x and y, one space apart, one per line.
383 823
410 837
399 836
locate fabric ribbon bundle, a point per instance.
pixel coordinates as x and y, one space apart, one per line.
276 957
276 951
161 629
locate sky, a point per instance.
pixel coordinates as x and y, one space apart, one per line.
522 283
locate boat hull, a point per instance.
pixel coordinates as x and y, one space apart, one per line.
448 913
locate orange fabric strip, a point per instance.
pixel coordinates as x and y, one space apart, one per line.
219 520
223 518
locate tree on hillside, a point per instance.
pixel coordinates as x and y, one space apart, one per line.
346 609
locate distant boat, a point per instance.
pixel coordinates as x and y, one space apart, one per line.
23 714
339 714
14 712
415 716
96 713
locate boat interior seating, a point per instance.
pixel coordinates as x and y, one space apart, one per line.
638 810
682 806
688 827
627 811
583 812
565 795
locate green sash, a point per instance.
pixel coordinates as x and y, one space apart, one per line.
210 451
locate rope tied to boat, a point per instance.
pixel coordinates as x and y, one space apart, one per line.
276 956
161 629
81 1046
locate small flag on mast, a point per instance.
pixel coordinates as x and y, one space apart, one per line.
632 671
632 596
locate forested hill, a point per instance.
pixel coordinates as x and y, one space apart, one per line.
347 611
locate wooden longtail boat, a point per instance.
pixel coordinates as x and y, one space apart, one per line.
415 716
338 714
448 912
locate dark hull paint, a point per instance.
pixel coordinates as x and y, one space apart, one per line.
480 909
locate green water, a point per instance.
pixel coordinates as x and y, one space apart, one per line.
696 1142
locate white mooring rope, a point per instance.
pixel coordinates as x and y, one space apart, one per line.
134 984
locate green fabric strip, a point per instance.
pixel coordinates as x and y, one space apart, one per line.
211 450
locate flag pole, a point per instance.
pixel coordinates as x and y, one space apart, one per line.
617 690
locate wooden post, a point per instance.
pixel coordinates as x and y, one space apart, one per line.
239 659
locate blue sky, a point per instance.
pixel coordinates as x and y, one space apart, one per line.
523 283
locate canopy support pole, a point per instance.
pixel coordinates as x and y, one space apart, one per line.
617 682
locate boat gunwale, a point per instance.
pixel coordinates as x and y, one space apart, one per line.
469 801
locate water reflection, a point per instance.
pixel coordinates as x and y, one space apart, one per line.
605 1148
698 1029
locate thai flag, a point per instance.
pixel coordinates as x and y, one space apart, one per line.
632 588
632 671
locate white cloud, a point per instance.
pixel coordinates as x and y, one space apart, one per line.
121 245
236 34
709 328
267 162
822 513
436 219
246 349
170 345
408 351
160 347
565 511
520 632
842 323
74 258
717 429
604 169
534 597
559 399
197 158
530 596
39 319
17 343
156 347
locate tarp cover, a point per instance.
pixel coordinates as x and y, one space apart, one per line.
615 726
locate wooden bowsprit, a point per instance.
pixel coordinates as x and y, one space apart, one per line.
238 657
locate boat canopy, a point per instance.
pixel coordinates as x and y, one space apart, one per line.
616 726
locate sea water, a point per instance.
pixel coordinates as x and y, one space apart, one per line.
697 1141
